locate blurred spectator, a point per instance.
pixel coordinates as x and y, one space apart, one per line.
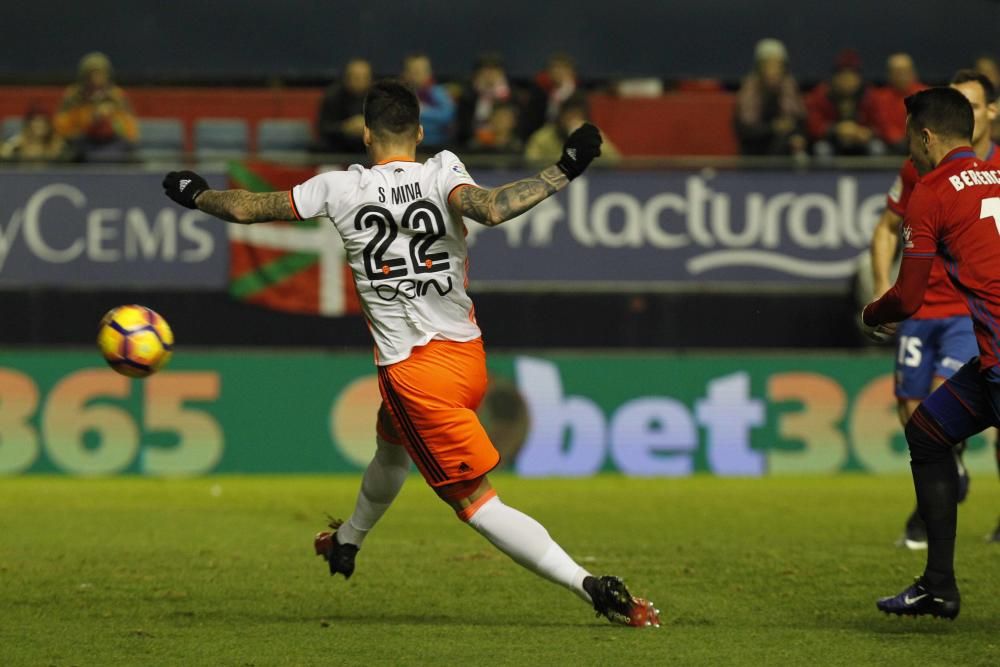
342 111
36 142
988 67
437 109
840 112
770 114
499 135
95 116
546 144
488 89
552 87
889 114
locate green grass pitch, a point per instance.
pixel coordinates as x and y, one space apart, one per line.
220 571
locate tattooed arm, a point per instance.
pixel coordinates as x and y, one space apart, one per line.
246 207
491 206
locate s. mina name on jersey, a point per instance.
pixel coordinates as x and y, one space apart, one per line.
971 177
401 194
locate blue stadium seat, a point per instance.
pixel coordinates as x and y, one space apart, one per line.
220 138
161 139
276 136
11 126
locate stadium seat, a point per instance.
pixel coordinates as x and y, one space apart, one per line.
282 136
161 139
11 126
220 138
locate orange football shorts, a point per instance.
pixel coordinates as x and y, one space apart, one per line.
432 397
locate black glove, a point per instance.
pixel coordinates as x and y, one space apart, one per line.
580 149
183 187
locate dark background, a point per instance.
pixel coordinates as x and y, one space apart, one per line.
256 40
533 320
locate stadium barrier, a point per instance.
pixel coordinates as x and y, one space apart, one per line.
571 415
645 229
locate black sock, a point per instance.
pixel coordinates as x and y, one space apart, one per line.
936 484
935 480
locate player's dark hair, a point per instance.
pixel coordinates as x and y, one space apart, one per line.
967 75
941 110
391 108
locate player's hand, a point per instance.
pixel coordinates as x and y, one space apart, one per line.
184 187
880 333
579 151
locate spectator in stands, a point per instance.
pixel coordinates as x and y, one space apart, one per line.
488 89
988 67
770 114
36 142
341 113
840 112
95 116
499 135
546 143
553 86
889 114
437 109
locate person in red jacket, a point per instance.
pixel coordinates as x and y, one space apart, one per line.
840 112
889 114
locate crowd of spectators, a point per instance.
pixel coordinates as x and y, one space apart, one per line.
487 114
490 113
844 115
94 122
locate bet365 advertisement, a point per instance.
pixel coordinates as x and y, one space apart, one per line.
568 415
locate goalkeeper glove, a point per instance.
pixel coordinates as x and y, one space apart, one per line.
184 187
580 149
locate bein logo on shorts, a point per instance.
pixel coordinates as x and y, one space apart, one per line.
409 288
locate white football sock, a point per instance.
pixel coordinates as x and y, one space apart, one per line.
529 544
381 483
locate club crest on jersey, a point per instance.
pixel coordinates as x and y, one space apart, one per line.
907 234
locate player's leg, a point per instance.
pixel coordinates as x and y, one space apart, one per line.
529 544
514 533
956 411
432 397
914 373
955 345
382 480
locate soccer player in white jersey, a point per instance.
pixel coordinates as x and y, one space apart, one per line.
403 230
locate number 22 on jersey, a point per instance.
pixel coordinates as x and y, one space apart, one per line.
422 217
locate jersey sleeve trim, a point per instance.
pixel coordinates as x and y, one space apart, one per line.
295 209
895 207
452 191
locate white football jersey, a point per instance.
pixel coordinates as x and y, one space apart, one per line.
405 247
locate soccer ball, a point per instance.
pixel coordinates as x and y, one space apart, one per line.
135 340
